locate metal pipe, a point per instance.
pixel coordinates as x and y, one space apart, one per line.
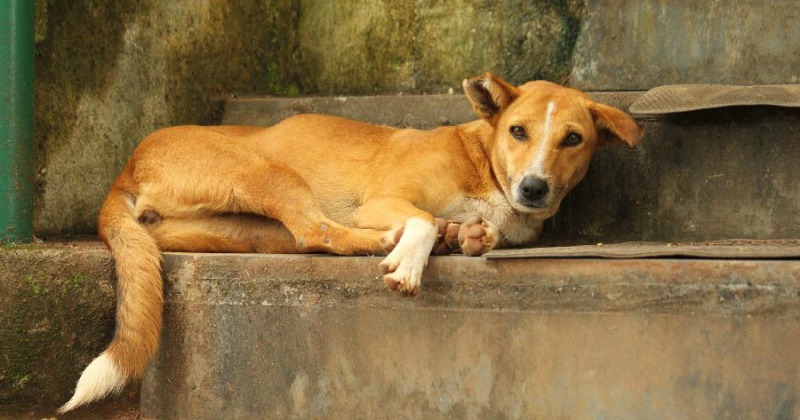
16 120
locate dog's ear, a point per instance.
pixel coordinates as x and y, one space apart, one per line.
489 95
615 126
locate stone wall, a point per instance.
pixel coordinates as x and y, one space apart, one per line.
108 73
636 45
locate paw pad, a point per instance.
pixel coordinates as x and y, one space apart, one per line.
477 236
446 237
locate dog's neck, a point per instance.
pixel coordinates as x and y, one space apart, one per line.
478 139
478 131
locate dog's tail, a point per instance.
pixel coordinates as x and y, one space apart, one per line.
139 303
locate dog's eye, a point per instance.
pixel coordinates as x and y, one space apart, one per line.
572 140
518 132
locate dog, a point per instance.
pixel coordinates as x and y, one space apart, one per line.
315 183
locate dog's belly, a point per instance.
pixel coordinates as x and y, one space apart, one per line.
340 209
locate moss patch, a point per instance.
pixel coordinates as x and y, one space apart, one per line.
108 74
58 307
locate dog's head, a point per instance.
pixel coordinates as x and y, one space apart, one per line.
544 137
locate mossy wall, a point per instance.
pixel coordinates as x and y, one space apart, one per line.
109 73
388 46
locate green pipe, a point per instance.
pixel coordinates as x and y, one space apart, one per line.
16 120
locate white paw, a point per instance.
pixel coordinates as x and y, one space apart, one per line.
404 277
403 266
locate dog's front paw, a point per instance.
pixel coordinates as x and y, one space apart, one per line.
477 236
401 276
402 268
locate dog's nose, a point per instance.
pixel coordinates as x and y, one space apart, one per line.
533 189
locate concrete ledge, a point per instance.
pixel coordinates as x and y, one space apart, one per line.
417 111
319 336
57 314
665 286
308 336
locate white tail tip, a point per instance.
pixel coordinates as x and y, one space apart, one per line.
100 378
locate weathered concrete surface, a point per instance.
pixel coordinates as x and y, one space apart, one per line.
697 176
637 45
57 314
417 111
318 336
58 305
430 46
123 407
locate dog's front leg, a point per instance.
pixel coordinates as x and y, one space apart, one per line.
403 266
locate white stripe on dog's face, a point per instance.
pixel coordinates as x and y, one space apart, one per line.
548 114
536 167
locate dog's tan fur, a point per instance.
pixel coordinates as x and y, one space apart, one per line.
317 183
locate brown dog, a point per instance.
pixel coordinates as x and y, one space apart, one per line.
316 183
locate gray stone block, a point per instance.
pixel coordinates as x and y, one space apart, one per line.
638 45
317 336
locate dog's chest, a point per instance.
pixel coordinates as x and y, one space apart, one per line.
516 227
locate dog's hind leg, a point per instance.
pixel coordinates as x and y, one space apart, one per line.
236 178
288 199
242 233
177 210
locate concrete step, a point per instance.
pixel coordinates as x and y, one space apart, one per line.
319 336
57 303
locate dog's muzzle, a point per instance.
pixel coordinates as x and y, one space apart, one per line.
533 192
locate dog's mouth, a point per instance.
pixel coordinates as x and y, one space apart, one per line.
545 206
531 207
